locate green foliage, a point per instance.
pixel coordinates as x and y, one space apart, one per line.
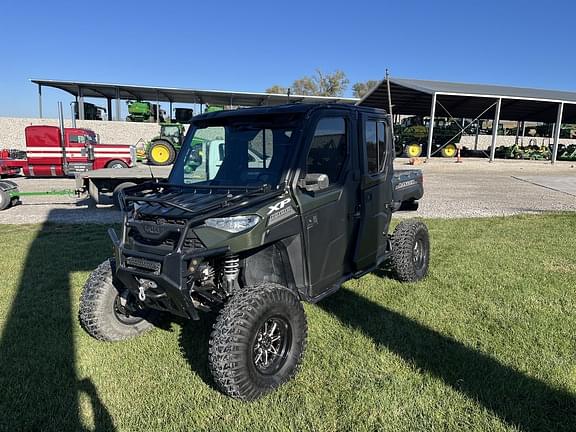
361 89
319 84
484 343
277 89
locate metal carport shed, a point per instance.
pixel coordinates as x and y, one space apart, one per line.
474 101
118 92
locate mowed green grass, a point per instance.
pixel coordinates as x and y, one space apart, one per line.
486 343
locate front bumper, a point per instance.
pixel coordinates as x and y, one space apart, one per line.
168 273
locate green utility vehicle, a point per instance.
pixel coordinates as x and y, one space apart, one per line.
289 203
412 137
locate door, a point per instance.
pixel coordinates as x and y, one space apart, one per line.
376 154
328 215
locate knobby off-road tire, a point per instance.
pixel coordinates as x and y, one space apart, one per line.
241 338
100 309
410 251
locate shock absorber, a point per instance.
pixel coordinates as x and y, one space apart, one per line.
231 271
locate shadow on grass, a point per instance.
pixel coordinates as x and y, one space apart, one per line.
39 385
514 397
194 342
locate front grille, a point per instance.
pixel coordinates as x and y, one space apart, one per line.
144 264
191 242
159 220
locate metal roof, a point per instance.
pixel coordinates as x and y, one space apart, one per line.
414 97
182 95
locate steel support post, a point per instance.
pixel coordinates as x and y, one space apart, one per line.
118 107
431 128
557 129
109 109
170 113
157 107
40 100
476 135
80 104
495 130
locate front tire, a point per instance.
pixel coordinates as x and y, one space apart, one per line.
258 341
102 313
117 164
410 251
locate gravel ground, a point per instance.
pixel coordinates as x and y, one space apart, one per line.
474 188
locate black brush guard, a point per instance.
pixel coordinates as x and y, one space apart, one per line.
169 271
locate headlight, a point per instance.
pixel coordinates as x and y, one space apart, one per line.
233 224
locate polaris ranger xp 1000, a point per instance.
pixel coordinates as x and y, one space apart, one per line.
299 202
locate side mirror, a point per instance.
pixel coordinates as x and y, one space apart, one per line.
314 182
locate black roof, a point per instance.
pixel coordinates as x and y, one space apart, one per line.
295 108
414 97
182 95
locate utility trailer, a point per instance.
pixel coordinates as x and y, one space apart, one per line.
107 183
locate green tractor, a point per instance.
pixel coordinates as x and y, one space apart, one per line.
162 149
139 111
532 151
412 137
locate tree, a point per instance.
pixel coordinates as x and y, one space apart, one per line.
277 89
361 89
319 84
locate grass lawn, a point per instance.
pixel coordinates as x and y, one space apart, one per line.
487 342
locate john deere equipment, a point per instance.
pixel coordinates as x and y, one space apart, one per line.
532 151
412 137
567 152
139 111
162 149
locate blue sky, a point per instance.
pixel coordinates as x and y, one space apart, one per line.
251 45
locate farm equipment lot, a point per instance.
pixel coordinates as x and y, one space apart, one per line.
477 346
474 188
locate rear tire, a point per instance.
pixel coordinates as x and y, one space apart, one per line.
449 151
410 251
161 153
258 341
101 313
413 150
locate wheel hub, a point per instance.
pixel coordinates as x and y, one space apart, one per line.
419 254
271 345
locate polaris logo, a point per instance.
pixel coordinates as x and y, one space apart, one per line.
404 184
152 229
278 206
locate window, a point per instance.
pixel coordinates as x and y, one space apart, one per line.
328 149
375 138
235 155
372 147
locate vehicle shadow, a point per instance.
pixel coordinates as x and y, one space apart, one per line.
517 399
194 342
40 386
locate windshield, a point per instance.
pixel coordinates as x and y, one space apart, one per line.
172 131
236 153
